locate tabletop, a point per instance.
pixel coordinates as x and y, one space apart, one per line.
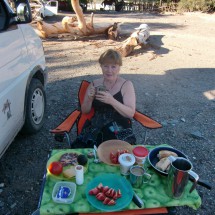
153 193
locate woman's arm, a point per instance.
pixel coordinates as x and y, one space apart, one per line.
129 99
88 99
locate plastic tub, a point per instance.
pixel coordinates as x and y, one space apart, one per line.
64 192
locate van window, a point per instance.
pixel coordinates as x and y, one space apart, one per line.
2 17
53 4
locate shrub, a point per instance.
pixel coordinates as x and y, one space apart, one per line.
196 5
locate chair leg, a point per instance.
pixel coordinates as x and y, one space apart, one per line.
171 211
62 136
68 139
59 137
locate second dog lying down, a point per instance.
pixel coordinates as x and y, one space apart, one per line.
142 34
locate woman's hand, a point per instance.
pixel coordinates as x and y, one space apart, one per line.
105 97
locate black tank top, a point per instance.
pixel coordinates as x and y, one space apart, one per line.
108 112
97 130
100 106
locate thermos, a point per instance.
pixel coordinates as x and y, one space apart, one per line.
178 176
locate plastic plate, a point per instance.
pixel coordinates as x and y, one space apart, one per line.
112 181
56 157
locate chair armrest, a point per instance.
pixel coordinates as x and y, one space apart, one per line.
67 124
146 121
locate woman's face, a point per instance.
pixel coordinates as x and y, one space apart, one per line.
110 71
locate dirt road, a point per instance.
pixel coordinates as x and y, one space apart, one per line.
174 79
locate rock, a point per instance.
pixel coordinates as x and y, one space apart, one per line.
173 122
1 204
13 205
197 135
183 119
164 123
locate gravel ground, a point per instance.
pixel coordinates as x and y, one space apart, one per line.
174 79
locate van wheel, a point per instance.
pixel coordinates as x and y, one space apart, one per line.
35 107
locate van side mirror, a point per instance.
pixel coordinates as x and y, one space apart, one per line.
24 12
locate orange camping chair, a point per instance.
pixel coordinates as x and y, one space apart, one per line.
78 118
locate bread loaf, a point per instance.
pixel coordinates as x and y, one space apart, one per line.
163 164
69 173
166 153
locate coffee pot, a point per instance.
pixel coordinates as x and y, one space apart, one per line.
178 176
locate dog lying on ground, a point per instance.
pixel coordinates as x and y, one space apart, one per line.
141 34
138 37
113 32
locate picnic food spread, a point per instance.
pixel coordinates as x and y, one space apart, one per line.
91 194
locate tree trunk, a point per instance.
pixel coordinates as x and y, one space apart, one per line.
80 16
68 25
128 46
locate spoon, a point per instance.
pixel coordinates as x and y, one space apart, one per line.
96 160
95 147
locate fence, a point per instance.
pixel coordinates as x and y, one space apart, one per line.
157 6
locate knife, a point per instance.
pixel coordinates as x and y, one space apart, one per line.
136 199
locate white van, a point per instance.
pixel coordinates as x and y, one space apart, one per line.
22 73
43 8
50 8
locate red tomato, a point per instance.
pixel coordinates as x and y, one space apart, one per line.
114 160
55 168
112 155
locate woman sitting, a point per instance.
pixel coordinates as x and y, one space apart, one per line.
114 101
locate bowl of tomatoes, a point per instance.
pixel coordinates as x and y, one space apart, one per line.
110 150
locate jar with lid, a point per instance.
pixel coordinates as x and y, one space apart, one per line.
140 153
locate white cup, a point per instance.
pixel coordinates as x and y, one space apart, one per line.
79 174
126 161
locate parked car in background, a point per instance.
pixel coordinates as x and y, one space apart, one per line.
22 74
66 5
44 8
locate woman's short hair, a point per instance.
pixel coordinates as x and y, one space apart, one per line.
111 56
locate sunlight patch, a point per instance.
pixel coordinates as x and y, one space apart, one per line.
210 95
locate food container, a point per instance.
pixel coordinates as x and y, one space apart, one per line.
64 192
126 161
140 154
